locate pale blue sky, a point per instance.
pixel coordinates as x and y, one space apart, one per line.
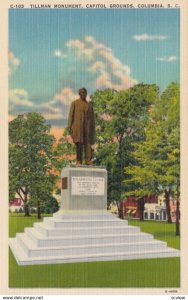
55 52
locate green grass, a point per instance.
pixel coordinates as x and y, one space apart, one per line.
161 231
17 222
132 273
143 273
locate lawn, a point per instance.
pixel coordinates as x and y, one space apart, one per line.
17 222
160 230
160 273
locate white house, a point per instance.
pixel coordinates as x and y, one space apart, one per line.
155 211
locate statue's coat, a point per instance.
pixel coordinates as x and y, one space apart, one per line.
81 122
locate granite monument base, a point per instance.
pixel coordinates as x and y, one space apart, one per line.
84 189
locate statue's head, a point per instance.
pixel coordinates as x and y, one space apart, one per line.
83 93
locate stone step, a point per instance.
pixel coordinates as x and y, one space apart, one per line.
104 215
32 250
91 238
70 240
34 235
23 259
83 223
48 230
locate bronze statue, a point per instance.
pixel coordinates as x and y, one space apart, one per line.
81 126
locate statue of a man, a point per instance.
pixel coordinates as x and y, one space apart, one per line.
81 125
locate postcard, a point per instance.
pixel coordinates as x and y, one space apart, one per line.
94 147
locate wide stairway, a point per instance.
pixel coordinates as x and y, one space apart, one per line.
67 238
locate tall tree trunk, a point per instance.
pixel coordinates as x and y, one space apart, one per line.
24 197
108 205
26 209
38 210
167 199
141 205
178 217
26 206
120 210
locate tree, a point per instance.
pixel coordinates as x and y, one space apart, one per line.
63 155
120 120
106 146
157 158
41 189
64 151
41 193
30 154
51 206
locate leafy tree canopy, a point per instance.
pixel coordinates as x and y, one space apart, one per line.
30 154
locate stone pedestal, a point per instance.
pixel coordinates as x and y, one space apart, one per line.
83 230
84 189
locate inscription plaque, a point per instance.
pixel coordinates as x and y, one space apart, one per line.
87 186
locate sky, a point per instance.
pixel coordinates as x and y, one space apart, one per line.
53 53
